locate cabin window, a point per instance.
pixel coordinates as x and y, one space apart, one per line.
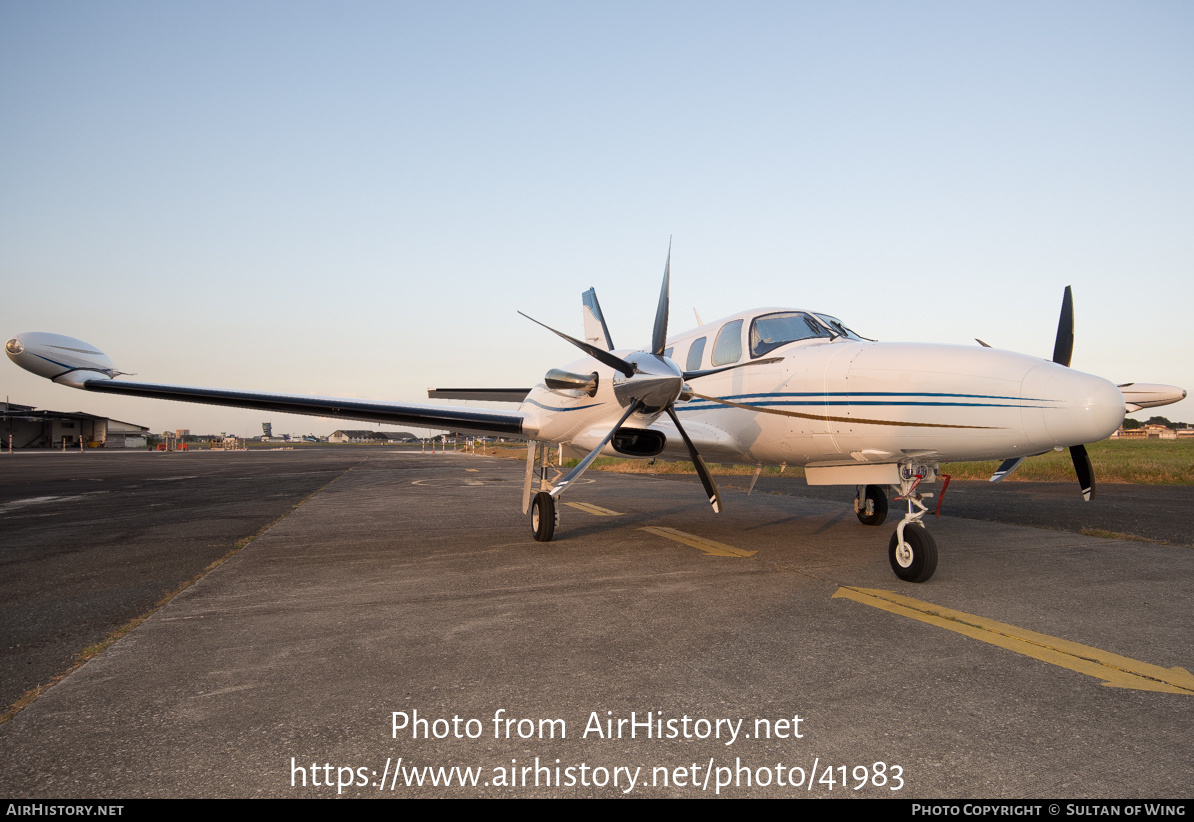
696 353
728 348
773 330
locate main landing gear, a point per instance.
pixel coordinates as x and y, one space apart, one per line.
870 505
545 516
541 472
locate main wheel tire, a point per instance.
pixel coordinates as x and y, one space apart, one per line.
543 516
917 560
875 494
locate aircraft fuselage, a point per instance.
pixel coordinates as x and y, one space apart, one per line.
848 401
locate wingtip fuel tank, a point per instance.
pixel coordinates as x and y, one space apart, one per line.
57 357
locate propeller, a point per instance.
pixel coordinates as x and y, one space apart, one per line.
1063 351
563 483
1084 470
659 333
616 363
647 382
1063 347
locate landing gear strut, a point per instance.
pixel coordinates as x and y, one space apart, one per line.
545 514
912 550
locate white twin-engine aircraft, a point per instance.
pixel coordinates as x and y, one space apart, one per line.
770 386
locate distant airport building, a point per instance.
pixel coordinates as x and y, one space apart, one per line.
372 436
30 428
1152 432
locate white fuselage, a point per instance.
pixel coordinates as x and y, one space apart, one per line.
848 402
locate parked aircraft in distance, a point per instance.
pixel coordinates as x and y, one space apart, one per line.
769 386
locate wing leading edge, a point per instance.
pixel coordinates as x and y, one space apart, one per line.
72 362
480 420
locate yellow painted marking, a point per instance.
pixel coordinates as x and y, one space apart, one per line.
1116 671
711 548
474 470
596 510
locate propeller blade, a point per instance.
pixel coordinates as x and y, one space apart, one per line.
1084 470
659 335
692 375
617 363
575 473
701 469
1063 348
1005 468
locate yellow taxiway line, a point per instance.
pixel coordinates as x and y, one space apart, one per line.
1116 671
595 510
711 548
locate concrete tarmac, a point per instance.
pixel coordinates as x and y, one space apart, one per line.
409 583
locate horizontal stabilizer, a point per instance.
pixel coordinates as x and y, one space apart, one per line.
490 394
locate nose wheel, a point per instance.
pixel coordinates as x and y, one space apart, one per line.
913 554
912 550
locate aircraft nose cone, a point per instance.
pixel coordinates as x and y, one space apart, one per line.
1074 407
1106 407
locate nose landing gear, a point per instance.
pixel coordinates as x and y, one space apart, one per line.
913 551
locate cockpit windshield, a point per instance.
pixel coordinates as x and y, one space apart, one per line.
773 330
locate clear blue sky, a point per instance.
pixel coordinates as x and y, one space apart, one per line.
352 199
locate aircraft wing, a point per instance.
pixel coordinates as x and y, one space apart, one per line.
480 420
72 362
